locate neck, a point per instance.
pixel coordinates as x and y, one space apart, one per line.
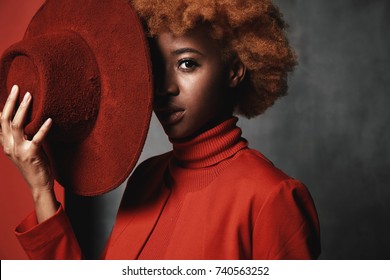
209 147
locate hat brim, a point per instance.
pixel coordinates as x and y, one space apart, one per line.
115 35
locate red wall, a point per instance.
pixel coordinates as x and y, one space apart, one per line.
15 198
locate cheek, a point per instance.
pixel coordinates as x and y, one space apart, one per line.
201 95
213 92
207 88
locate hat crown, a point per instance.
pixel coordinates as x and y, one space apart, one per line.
61 73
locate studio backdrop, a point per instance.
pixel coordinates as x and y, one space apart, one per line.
332 131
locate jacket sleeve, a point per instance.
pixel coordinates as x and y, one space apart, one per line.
52 239
287 225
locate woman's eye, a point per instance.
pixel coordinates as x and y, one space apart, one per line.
188 64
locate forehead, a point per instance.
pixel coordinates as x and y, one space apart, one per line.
198 39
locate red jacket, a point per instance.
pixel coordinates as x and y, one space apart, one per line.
210 198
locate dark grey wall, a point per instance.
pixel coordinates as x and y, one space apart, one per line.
331 131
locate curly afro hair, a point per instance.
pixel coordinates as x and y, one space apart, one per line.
253 30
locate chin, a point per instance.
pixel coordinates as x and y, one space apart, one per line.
182 130
177 132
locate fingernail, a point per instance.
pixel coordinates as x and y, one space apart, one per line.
26 97
48 122
14 89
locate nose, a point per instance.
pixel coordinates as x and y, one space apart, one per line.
165 83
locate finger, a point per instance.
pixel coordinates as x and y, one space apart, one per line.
8 110
42 132
18 121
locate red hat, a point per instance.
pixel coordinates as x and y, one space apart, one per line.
87 65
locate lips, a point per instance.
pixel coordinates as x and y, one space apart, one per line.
169 114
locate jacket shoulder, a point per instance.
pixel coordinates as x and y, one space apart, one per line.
146 180
250 166
152 163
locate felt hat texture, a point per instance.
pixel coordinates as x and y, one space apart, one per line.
87 65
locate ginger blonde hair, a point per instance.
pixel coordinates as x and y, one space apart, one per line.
252 30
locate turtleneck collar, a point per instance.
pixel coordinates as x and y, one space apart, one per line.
210 147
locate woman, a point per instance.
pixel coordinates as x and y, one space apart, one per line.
212 197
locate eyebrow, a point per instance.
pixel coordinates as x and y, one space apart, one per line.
186 50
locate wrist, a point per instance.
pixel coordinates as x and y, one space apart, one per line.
40 187
46 204
42 193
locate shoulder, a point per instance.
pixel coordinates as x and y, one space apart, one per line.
155 165
285 221
152 163
146 179
255 180
251 168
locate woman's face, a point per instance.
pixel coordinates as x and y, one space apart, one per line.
191 90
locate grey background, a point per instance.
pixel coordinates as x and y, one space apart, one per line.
331 131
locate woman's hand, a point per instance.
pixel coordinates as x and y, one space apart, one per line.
28 156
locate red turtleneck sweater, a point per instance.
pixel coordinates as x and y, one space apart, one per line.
210 198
